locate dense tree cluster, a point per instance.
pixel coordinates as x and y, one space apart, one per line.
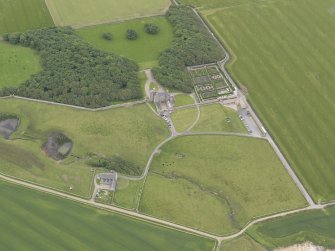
192 45
131 34
151 29
74 72
116 163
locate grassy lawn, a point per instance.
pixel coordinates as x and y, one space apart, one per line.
183 99
316 226
17 64
127 193
144 50
35 220
184 118
243 243
214 4
282 55
217 118
90 12
131 133
22 15
217 183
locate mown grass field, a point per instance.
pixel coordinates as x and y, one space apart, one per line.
17 64
316 226
91 12
144 50
217 118
22 15
32 221
184 118
215 4
283 55
131 133
183 99
127 192
243 243
217 183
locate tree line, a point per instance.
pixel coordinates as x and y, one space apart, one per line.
73 71
192 45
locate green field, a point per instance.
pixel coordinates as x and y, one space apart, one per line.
217 118
215 4
17 64
92 12
144 50
217 183
183 99
184 118
282 52
316 226
132 133
32 221
243 243
127 192
22 15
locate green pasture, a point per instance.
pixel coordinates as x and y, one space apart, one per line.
243 243
183 99
316 226
93 12
217 4
217 183
22 15
282 54
217 118
32 221
144 50
127 192
132 133
17 64
184 118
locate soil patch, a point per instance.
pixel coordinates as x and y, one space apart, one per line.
58 146
8 126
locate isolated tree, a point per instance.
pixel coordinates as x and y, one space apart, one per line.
131 34
151 29
107 36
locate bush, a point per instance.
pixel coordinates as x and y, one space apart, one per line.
151 29
131 34
74 72
107 36
192 45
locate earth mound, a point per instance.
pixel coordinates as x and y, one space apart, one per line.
58 146
8 124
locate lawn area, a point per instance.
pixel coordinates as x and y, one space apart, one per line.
282 55
183 99
127 193
316 226
17 64
217 118
35 220
144 50
217 183
92 12
184 118
132 133
243 243
22 15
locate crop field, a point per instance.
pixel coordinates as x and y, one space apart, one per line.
22 15
216 4
316 226
282 55
131 133
184 118
217 183
209 82
144 50
93 12
17 64
243 243
217 118
61 224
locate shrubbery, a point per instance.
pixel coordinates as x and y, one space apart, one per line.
117 164
107 36
192 45
131 34
151 29
74 72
